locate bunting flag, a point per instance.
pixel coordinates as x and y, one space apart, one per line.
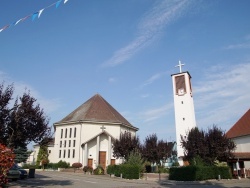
34 15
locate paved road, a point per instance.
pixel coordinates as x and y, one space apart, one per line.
55 179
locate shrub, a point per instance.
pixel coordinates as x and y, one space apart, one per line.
114 169
30 166
77 165
128 171
63 164
99 170
6 161
52 166
87 169
197 173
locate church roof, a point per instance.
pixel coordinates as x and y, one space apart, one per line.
241 127
96 109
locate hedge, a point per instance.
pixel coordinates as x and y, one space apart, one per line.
197 173
128 171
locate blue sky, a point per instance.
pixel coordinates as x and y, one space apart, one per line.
126 51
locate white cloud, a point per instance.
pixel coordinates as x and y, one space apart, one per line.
155 113
152 79
242 45
112 80
238 46
49 105
222 96
150 28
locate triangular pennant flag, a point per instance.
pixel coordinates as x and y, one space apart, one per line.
58 3
65 1
5 27
40 12
34 16
17 21
23 19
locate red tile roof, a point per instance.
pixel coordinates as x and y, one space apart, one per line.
241 127
96 109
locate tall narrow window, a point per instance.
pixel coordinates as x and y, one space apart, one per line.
60 153
60 144
69 143
64 143
74 143
73 154
69 153
66 131
70 132
61 133
75 132
64 153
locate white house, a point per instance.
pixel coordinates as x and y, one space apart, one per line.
86 134
240 134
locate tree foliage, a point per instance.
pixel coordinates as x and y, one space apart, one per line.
6 161
123 146
209 146
23 122
21 154
42 156
155 150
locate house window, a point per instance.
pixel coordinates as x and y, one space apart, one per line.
75 132
73 154
69 143
64 143
66 131
69 153
61 133
70 131
64 153
60 153
60 144
49 151
74 143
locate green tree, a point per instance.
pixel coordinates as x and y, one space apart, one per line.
42 156
21 154
135 158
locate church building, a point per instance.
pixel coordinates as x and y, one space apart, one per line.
86 134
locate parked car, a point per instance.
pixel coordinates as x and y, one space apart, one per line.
13 173
23 173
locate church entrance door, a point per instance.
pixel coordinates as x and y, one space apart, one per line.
90 163
102 159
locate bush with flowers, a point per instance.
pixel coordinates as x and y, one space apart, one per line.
6 161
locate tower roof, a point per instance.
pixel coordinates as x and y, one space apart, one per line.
96 109
241 127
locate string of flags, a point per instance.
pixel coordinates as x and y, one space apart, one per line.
34 15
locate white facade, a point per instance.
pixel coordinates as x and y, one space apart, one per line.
243 145
184 108
83 141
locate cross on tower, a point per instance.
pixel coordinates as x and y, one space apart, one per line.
102 127
180 65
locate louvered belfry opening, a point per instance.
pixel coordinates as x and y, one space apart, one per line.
180 83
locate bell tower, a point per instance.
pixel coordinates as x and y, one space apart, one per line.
183 107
